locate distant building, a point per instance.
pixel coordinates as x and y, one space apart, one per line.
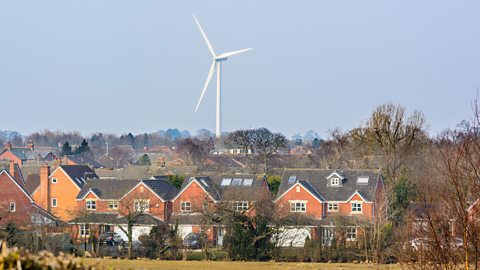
20 155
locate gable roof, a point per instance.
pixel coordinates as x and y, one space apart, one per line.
162 188
84 160
212 185
107 189
3 171
308 187
318 180
114 189
78 173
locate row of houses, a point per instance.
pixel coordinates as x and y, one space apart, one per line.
74 195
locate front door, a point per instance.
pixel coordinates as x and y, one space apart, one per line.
220 234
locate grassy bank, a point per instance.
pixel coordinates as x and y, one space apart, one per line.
197 265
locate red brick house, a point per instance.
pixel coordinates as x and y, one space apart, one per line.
199 194
57 191
317 199
104 204
17 206
20 155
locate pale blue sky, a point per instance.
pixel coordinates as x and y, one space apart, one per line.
139 66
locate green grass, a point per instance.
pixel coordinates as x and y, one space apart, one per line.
210 265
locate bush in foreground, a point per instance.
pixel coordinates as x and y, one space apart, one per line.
21 259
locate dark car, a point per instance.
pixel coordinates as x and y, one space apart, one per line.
111 238
194 240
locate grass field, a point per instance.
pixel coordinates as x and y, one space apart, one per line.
199 265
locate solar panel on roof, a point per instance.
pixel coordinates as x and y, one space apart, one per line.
237 181
292 179
363 180
226 181
247 182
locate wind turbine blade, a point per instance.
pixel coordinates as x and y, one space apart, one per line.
210 48
209 77
228 54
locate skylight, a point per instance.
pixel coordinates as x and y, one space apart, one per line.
363 180
292 179
237 181
204 182
226 181
247 182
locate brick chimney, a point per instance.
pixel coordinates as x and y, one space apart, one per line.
12 168
44 188
15 173
8 145
30 145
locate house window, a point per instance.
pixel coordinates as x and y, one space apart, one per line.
334 181
332 207
54 202
356 207
351 234
240 206
141 205
297 189
84 230
113 205
327 236
54 180
298 206
185 207
13 207
91 205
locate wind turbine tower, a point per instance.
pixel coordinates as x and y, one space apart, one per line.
216 64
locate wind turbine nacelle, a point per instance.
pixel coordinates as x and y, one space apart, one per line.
221 59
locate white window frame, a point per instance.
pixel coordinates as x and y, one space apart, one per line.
54 202
352 234
91 205
357 207
54 180
84 230
333 207
328 234
298 206
186 207
113 205
12 209
141 205
240 206
335 181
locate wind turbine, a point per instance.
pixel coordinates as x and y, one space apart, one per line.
216 64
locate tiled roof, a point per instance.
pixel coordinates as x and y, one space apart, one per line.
163 188
114 218
79 173
114 189
187 219
32 182
108 189
318 181
85 160
246 187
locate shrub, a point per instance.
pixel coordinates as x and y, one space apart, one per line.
16 258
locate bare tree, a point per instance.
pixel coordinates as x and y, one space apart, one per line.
266 144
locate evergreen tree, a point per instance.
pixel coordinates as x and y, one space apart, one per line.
66 149
83 148
144 160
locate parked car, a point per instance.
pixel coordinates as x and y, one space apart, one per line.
111 238
421 243
194 240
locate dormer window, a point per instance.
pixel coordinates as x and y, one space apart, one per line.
334 181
